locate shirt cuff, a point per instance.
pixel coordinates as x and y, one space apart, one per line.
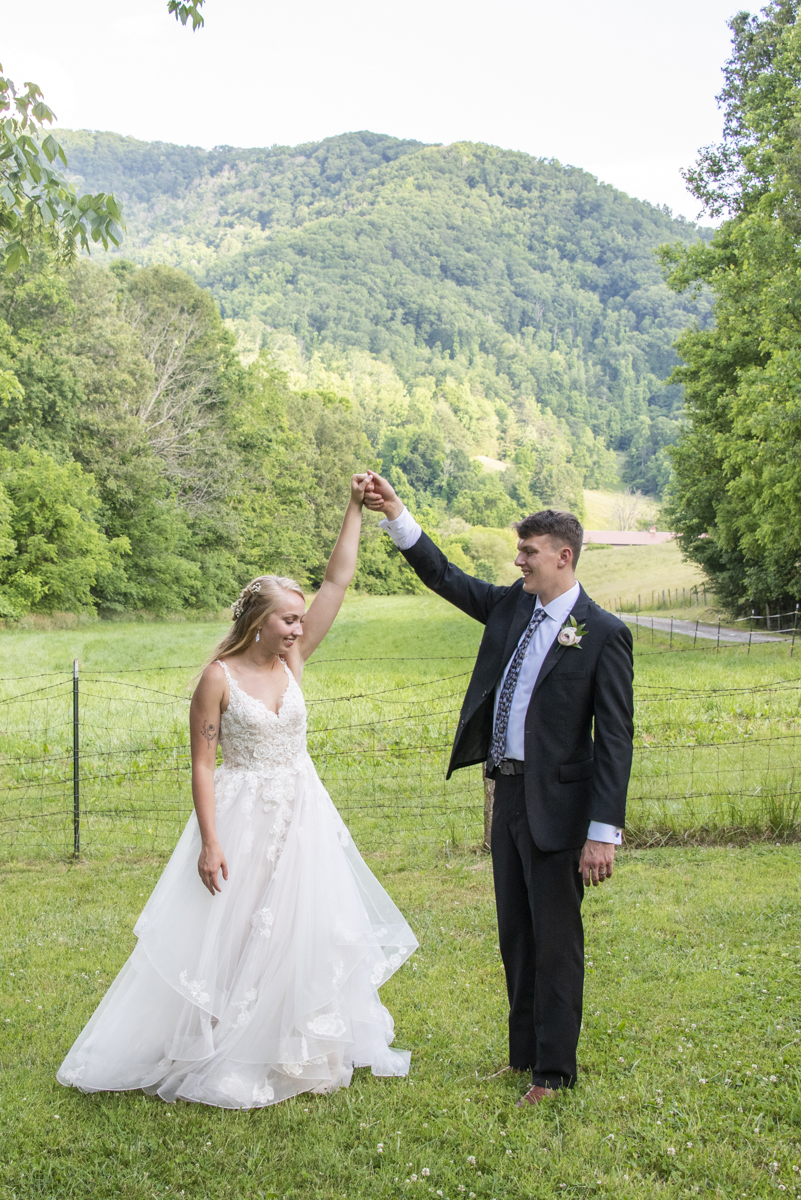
404 530
599 832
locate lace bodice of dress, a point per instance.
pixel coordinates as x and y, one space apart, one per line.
255 739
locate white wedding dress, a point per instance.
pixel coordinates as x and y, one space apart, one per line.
268 989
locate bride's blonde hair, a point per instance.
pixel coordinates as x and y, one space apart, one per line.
256 602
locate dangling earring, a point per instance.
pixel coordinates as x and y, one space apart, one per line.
258 634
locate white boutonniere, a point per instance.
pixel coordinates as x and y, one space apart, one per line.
571 633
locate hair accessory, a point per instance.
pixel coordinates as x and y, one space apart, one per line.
245 596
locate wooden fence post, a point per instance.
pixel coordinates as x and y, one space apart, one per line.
489 798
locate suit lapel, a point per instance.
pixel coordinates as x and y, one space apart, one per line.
525 607
579 611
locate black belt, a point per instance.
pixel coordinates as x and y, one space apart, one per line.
511 766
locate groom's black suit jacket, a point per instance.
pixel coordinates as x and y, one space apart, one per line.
573 773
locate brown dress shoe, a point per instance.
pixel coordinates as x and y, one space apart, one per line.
535 1094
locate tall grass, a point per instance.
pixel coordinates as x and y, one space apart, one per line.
717 746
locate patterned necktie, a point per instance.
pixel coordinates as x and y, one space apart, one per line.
498 746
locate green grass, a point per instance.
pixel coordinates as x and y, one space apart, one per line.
717 749
383 694
695 965
694 953
601 509
638 573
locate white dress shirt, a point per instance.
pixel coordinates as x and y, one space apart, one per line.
405 531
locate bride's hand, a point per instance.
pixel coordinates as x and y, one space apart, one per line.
210 862
357 485
381 496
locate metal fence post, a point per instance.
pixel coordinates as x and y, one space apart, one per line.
717 648
795 622
750 631
76 770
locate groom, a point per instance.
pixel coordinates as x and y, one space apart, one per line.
549 710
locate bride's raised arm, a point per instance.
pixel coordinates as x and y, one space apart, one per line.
338 574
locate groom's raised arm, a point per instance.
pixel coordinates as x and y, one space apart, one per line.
473 596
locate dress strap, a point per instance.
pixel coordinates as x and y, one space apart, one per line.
224 666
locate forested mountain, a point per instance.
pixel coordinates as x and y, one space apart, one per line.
490 330
498 287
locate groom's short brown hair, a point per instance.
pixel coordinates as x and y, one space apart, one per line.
561 527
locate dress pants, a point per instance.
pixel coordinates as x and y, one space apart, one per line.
538 894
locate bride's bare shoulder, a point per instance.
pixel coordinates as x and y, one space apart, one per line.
212 684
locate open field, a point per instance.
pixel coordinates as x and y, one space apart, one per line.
717 747
690 1064
630 572
600 509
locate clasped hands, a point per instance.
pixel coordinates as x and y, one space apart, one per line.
380 496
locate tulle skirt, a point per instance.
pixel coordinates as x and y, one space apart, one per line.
268 989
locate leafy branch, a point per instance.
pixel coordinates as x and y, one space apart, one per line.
36 202
183 12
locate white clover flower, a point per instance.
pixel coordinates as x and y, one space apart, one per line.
671 1150
471 1158
414 1179
425 1171
380 1147
774 1079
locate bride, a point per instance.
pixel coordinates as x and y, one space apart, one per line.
255 974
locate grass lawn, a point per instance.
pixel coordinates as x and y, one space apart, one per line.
690 1064
689 1079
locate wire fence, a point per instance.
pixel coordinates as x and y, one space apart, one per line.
101 765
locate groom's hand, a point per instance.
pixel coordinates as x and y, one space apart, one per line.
597 862
381 496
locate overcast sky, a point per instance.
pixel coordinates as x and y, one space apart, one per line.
625 89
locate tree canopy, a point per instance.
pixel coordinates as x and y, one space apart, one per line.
516 279
737 495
